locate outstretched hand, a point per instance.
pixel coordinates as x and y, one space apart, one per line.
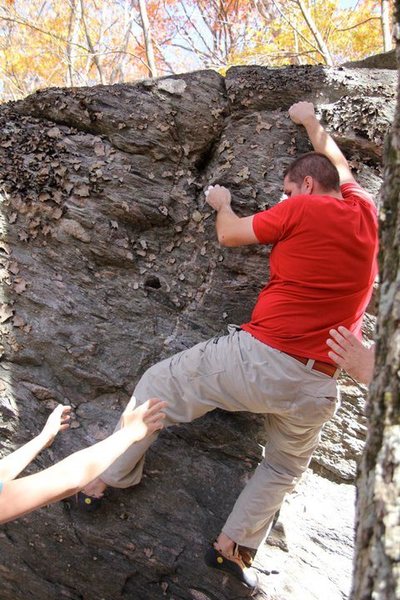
57 421
145 419
301 111
351 355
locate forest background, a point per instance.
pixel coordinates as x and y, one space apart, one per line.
46 43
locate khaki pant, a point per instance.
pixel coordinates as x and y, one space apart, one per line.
236 372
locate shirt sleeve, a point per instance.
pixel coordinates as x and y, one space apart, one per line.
1 486
271 225
354 189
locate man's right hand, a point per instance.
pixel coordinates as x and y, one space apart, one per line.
218 196
301 111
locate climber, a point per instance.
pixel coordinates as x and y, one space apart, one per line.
21 496
322 269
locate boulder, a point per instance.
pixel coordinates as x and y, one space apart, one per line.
108 263
384 60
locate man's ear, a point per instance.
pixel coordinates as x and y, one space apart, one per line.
308 184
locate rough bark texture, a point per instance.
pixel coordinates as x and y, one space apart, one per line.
108 263
377 567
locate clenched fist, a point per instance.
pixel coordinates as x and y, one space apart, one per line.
301 111
218 196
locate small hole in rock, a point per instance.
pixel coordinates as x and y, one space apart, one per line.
152 282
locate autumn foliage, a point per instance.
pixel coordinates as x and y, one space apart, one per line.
84 42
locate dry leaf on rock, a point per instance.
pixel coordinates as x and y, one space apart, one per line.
57 197
43 196
263 125
99 149
6 312
46 229
20 285
54 132
163 127
18 321
81 190
5 276
5 247
197 216
57 214
74 229
242 175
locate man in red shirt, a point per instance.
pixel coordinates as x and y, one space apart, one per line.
322 269
323 265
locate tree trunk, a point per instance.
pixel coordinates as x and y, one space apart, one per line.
73 32
323 48
147 39
377 566
386 25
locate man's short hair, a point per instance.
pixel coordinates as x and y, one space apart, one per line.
316 165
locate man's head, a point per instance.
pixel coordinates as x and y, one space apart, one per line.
312 173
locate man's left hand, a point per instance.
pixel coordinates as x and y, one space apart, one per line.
218 196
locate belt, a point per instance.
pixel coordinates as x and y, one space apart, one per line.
317 365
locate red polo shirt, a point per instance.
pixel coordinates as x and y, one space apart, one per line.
322 269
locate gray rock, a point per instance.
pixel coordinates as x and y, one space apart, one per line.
385 60
109 262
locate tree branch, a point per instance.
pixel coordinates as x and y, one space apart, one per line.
358 24
90 44
40 30
303 37
323 48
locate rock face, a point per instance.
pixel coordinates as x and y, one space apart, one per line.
385 60
109 263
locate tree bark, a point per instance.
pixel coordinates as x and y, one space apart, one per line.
377 565
147 39
73 30
386 25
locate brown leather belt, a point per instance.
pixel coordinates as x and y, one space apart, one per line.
318 365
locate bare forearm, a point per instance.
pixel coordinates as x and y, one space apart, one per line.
62 479
12 465
324 143
225 223
85 465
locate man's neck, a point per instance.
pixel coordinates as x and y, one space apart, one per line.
334 193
